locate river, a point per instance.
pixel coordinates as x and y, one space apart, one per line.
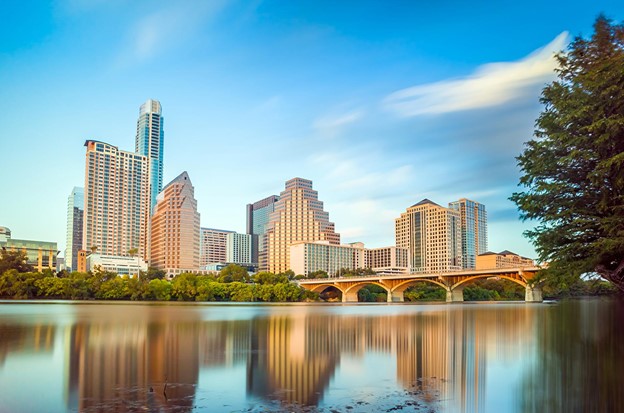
177 357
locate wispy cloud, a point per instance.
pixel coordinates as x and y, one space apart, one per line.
331 125
490 85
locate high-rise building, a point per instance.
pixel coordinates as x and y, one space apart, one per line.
257 219
298 216
238 248
212 246
175 227
308 257
473 230
387 260
150 140
75 212
432 235
116 200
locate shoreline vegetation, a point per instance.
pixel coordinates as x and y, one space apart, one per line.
234 284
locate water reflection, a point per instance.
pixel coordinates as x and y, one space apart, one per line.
511 357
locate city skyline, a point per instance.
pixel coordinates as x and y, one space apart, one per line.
375 105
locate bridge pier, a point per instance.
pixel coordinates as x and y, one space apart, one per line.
350 297
455 295
395 297
533 294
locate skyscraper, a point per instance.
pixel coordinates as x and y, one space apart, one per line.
175 227
238 248
150 140
75 213
116 202
257 219
473 230
298 216
432 235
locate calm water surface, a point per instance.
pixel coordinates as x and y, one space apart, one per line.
503 357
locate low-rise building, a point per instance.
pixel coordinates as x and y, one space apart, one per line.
120 265
40 254
308 257
387 260
503 259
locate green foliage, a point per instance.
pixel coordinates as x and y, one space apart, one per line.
184 287
372 293
14 260
424 291
233 273
357 272
160 290
265 277
318 274
478 293
153 274
573 170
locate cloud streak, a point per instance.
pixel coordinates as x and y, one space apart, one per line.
490 85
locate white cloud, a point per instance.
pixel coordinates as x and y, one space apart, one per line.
331 125
491 84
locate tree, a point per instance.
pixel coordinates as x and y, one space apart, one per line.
233 273
573 169
14 260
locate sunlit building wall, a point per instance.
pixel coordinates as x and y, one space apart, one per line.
308 257
238 248
40 254
387 260
175 227
503 259
75 214
212 246
473 230
116 200
298 216
432 235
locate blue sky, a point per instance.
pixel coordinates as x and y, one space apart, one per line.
381 104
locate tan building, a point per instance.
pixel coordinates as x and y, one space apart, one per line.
504 259
212 246
432 235
387 260
40 254
298 217
175 227
308 257
116 200
81 264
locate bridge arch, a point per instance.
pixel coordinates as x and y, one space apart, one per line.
318 288
404 285
477 277
351 292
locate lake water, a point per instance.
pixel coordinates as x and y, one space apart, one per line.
487 357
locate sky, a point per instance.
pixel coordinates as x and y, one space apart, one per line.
380 104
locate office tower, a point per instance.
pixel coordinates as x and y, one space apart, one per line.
150 140
116 202
257 219
432 234
175 227
298 216
238 248
75 212
212 246
473 230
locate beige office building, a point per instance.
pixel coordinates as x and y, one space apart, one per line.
175 227
116 200
212 246
432 235
387 260
503 259
298 217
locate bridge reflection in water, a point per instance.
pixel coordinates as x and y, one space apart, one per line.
452 282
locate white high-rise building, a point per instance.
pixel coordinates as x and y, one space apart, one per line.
75 216
116 200
432 235
238 248
150 140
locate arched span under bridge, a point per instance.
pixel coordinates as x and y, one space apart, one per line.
453 282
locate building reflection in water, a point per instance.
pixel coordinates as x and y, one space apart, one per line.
291 357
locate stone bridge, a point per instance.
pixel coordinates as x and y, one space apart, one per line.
452 282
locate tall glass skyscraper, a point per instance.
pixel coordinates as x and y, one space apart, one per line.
473 230
75 211
257 219
150 140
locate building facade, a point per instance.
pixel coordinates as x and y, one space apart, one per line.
75 213
130 266
387 260
40 254
238 248
150 140
174 234
298 217
212 246
308 257
473 230
503 259
116 200
258 215
432 236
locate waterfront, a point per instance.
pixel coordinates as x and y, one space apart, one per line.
493 357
